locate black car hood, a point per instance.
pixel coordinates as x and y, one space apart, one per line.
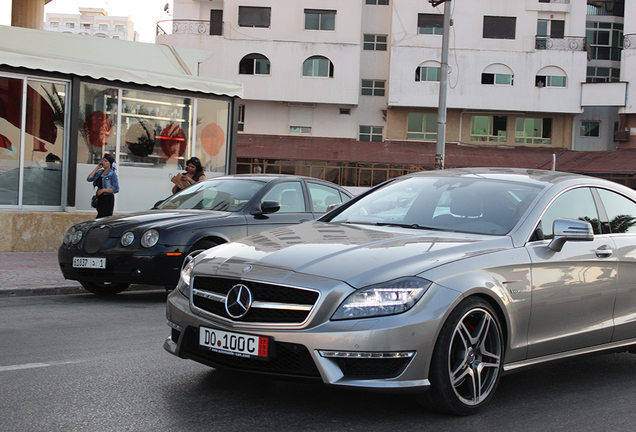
157 218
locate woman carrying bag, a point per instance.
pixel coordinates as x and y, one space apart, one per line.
105 180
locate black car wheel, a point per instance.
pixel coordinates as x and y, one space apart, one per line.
104 288
467 360
197 248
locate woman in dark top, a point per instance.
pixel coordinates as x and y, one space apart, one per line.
193 174
105 180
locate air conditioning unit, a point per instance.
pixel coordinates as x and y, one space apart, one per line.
621 135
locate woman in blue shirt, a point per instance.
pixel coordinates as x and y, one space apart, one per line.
105 180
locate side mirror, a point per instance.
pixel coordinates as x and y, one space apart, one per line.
333 206
570 230
268 207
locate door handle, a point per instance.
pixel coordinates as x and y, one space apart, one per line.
604 251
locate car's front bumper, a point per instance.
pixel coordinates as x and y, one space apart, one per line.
390 352
134 267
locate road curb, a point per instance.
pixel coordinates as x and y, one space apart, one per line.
64 290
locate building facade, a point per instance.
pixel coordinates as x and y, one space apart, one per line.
349 90
92 22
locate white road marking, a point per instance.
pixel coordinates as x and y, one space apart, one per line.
33 365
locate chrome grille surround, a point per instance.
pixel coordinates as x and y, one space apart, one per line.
273 304
95 238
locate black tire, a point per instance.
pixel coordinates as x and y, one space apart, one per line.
197 248
104 288
467 360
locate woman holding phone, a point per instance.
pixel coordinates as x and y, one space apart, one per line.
105 179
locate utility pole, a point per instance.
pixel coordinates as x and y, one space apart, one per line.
440 148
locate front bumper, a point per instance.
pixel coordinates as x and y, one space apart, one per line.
319 350
134 267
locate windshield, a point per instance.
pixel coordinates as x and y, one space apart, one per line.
472 205
222 195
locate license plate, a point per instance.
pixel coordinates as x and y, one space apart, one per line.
236 344
96 263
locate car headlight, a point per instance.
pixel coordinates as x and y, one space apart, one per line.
185 278
150 238
76 237
127 239
388 298
68 236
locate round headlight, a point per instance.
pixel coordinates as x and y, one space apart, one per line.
77 236
150 238
68 237
127 239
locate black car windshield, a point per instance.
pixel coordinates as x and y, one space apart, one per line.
222 195
465 204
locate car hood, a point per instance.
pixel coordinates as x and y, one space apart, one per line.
157 218
356 254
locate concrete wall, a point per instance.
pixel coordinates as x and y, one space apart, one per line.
27 231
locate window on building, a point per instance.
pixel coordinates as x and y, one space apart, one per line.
318 66
551 76
533 131
603 74
317 19
605 40
590 128
373 87
421 126
252 16
377 2
345 111
254 64
241 118
488 128
119 27
497 27
432 24
115 37
375 42
216 22
497 74
300 129
54 24
70 25
370 133
547 29
428 71
103 27
86 26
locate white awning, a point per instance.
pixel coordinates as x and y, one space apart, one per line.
114 60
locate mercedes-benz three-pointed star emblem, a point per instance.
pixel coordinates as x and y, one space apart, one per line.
238 301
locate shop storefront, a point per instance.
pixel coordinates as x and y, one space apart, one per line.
60 113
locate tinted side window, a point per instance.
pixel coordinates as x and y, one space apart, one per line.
323 196
574 204
621 211
289 195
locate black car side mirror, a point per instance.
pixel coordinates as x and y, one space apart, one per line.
268 207
570 230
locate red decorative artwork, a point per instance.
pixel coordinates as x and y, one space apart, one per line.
97 127
5 143
212 139
173 141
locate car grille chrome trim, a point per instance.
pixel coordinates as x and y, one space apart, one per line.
272 304
372 355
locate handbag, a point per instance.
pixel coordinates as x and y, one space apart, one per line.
94 201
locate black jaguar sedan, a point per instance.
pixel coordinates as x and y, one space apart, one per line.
107 255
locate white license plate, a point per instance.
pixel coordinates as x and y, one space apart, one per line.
96 263
241 345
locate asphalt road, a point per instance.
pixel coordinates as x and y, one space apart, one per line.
83 363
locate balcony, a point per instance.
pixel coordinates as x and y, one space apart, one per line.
193 27
568 43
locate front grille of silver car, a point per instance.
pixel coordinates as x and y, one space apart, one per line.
270 303
95 238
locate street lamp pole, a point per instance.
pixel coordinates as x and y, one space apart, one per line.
440 148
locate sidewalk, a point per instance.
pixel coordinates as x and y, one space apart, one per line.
38 273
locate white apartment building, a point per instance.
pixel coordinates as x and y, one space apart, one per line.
92 22
348 90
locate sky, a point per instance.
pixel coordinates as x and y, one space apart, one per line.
144 13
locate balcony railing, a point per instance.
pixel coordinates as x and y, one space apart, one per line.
568 43
555 1
195 27
629 41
